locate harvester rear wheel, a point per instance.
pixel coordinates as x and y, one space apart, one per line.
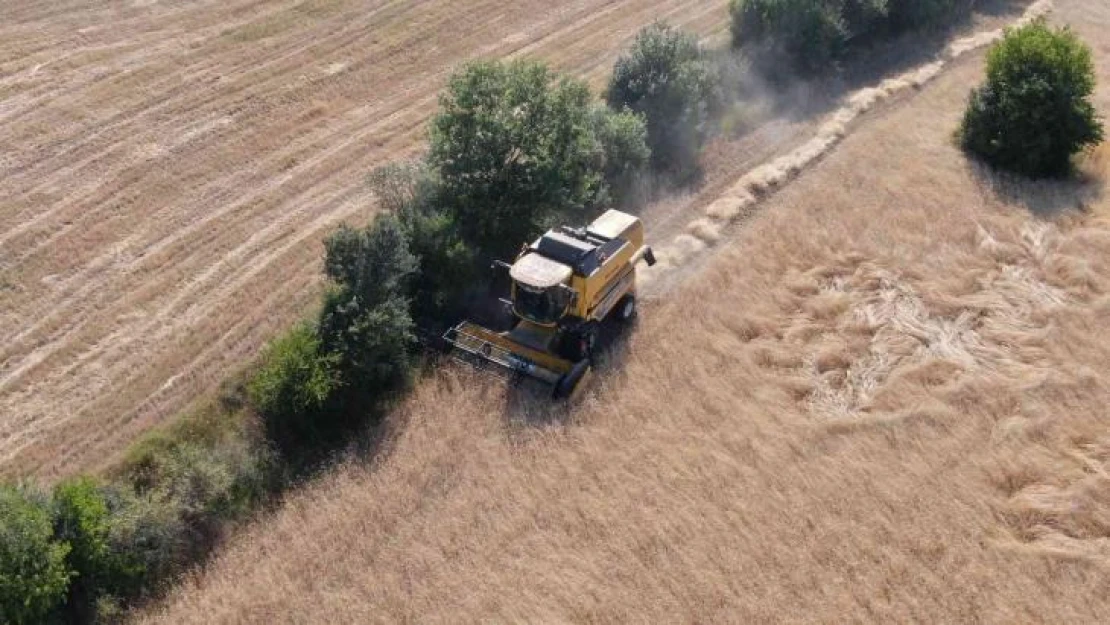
626 308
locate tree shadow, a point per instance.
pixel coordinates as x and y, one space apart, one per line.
997 8
1045 198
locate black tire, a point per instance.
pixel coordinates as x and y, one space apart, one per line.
626 308
579 343
587 340
567 384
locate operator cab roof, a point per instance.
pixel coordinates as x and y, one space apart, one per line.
582 251
539 272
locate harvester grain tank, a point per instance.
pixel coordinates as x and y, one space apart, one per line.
563 286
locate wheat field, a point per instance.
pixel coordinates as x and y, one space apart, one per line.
883 399
169 169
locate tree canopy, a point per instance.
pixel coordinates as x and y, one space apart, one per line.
1034 111
514 145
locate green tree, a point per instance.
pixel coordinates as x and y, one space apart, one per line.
512 145
365 321
296 379
665 78
625 154
82 519
34 577
1034 111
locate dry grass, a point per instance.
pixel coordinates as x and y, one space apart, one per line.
884 400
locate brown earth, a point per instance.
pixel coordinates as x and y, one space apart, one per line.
882 400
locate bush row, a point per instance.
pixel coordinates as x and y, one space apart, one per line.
82 551
814 34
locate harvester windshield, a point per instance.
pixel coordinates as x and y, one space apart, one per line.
542 306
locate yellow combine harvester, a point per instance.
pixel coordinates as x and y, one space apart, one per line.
563 286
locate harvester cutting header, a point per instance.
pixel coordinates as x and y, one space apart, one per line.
563 286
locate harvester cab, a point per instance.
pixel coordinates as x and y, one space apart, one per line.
563 286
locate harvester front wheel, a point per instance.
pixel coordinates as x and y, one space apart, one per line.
568 384
587 340
580 343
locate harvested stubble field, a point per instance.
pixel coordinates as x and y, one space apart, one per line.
168 170
884 400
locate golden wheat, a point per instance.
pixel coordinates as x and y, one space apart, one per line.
884 400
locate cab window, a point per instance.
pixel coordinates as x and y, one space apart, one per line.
544 306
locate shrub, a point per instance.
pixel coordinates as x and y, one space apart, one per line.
622 136
445 264
512 146
33 572
82 519
665 77
911 14
204 483
295 383
811 33
175 489
1034 111
373 263
399 185
373 342
147 536
365 320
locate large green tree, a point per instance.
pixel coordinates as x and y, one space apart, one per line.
1034 111
513 145
665 78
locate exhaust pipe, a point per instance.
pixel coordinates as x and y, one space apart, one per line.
645 254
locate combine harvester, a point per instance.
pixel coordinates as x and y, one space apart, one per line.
563 286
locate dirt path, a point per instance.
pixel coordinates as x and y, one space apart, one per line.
169 168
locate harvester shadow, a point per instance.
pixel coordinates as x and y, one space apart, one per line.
529 403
